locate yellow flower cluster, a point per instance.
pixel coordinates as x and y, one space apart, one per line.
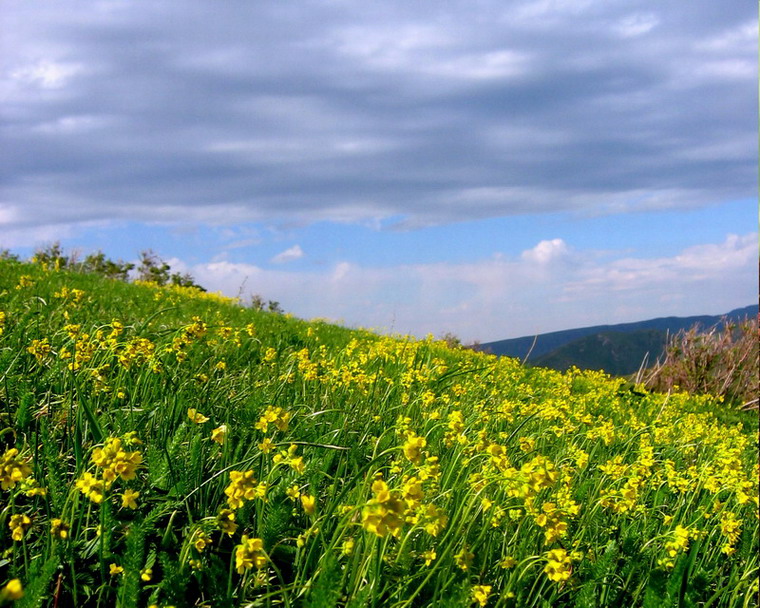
13 469
413 447
455 429
116 461
59 528
250 553
74 294
309 369
137 351
18 525
276 416
225 519
24 281
558 565
39 348
480 594
679 543
384 512
91 487
730 527
190 333
243 486
289 457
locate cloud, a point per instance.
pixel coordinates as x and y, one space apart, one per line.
158 112
729 262
546 252
498 297
45 74
636 24
289 255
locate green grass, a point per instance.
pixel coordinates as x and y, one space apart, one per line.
321 466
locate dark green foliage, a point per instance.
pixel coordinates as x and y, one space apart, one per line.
133 562
259 303
24 412
7 256
152 268
98 263
40 587
174 580
326 589
155 270
52 257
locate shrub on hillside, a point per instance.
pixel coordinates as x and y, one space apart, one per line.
722 361
98 263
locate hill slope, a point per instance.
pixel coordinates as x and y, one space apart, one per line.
164 446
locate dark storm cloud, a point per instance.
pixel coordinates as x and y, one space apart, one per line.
234 111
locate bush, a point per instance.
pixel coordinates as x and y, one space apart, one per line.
722 361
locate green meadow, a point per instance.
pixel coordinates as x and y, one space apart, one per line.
162 446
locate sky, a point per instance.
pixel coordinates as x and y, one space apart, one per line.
489 168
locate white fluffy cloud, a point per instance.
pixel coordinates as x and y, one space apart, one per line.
289 255
492 299
546 252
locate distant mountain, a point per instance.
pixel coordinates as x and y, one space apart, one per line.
617 349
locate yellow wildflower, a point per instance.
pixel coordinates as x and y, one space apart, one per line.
309 503
195 416
480 594
249 553
91 487
14 590
219 434
730 527
413 447
116 461
348 546
266 445
243 486
226 521
383 514
59 528
558 565
39 348
13 469
680 541
129 499
202 540
19 525
115 570
273 415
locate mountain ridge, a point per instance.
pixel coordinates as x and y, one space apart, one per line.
619 349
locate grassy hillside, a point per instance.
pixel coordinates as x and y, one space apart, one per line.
167 447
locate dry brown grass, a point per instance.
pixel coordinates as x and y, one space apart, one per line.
722 360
